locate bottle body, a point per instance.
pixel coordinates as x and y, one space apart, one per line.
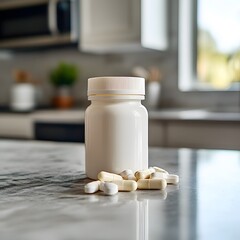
116 136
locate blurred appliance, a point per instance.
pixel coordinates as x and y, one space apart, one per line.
31 23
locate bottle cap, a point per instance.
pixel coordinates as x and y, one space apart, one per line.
116 85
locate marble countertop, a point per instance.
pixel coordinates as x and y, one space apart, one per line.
41 196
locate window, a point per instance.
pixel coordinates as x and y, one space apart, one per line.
209 45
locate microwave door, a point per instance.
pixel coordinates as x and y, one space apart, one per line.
35 23
23 19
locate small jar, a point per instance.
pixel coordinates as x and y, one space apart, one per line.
116 125
23 97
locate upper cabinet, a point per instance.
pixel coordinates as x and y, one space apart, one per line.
123 25
102 26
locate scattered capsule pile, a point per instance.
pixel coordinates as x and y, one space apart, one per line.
127 181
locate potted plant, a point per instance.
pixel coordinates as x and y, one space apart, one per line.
63 77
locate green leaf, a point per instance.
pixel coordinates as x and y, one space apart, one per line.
64 74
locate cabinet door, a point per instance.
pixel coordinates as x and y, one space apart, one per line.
225 135
107 24
16 126
157 133
59 132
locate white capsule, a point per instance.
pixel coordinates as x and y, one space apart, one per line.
110 188
128 175
158 175
126 185
101 185
92 187
144 174
108 177
152 184
172 179
158 169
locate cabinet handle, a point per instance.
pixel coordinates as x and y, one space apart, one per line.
52 16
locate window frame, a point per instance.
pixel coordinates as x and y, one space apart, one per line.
187 51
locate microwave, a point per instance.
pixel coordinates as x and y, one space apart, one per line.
35 23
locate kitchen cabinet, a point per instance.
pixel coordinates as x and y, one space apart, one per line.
59 132
16 126
126 25
52 125
157 133
167 128
200 134
194 134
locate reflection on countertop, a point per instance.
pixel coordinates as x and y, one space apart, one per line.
42 196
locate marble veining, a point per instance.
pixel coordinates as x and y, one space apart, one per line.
41 196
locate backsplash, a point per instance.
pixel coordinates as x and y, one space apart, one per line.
39 63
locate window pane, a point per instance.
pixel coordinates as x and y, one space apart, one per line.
218 43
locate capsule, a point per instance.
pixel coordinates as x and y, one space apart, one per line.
144 174
158 169
92 187
110 188
108 177
172 179
101 185
152 184
158 175
128 175
126 185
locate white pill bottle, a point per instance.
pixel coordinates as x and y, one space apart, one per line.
116 125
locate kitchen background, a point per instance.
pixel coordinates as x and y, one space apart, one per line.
164 129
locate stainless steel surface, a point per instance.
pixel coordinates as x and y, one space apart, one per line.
8 4
52 16
75 25
42 196
36 41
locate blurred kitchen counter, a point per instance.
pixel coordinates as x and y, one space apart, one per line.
69 116
22 125
231 115
195 128
77 114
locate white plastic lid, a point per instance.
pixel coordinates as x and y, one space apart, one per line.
116 85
